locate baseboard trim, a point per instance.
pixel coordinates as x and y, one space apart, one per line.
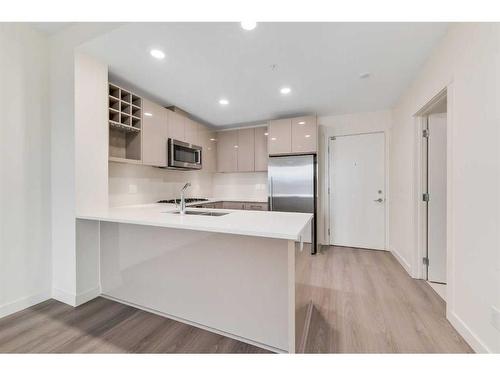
402 261
194 324
88 295
64 297
469 336
305 332
23 303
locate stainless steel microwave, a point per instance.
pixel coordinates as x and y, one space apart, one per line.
183 155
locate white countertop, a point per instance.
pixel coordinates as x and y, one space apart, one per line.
281 225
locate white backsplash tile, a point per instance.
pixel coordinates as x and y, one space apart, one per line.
240 186
138 184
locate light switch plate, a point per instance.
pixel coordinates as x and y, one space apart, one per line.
495 317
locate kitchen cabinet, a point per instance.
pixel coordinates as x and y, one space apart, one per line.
256 206
227 151
191 131
280 137
246 151
236 205
154 134
233 205
304 134
125 125
293 136
208 142
246 147
261 149
176 125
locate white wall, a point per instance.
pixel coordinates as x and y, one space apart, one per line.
337 125
25 256
63 153
91 133
468 62
240 186
139 184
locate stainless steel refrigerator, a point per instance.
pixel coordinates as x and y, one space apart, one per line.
292 184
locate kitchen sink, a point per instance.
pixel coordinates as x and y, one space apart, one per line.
202 213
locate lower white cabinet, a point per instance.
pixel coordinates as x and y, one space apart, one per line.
256 206
233 205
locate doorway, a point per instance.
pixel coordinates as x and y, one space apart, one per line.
357 190
434 197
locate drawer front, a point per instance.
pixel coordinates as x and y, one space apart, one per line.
256 206
233 205
209 205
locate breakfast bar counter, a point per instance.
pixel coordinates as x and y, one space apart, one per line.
239 274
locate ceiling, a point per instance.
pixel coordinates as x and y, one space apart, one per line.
320 62
50 28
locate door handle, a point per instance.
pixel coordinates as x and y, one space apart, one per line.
380 200
271 194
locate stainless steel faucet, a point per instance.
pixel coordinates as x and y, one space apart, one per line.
182 210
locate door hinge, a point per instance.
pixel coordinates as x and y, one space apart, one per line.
328 231
425 133
425 197
425 261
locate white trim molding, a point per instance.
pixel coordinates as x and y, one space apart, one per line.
469 336
23 303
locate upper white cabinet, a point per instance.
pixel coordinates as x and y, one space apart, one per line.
304 134
246 151
280 137
176 125
125 125
154 134
293 136
242 150
207 140
261 149
191 129
227 151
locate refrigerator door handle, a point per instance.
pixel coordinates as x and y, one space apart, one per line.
270 193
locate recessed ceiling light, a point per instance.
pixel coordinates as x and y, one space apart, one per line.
248 25
308 135
266 134
364 75
273 139
148 114
223 102
156 53
302 123
285 90
212 139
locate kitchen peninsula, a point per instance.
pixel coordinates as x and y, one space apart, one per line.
236 274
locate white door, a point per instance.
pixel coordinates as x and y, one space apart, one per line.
436 208
357 191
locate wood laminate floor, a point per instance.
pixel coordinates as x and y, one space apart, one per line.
104 326
365 302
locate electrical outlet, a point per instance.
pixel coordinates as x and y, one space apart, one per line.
495 317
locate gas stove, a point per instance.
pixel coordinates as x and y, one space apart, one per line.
188 200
